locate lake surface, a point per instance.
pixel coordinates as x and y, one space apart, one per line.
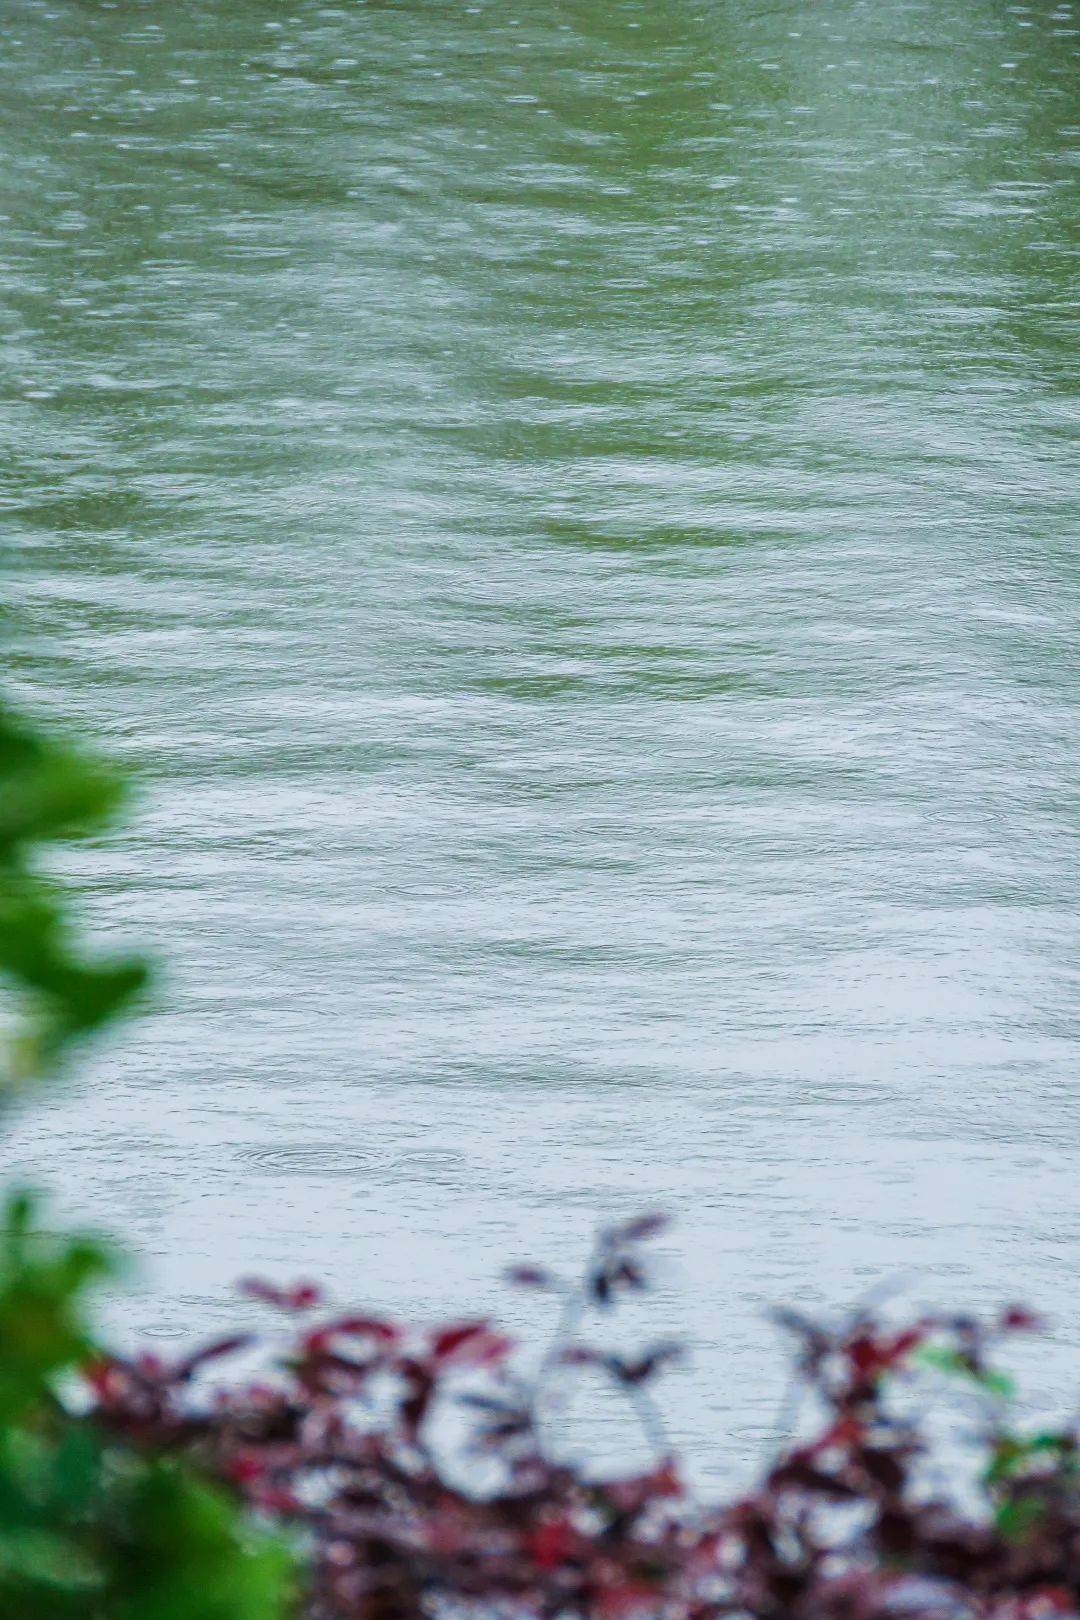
569 508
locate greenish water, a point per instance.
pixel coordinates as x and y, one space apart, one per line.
569 506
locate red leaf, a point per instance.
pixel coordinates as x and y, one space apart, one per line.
846 1431
552 1543
472 1343
245 1467
617 1601
488 1350
641 1227
276 1499
318 1339
579 1355
630 1273
1019 1320
905 1342
419 1389
303 1296
666 1480
100 1374
300 1297
530 1277
801 1475
870 1357
371 1326
447 1340
212 1352
631 1495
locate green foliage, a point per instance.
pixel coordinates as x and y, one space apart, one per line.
90 1527
1016 1455
50 791
136 1539
42 1289
946 1359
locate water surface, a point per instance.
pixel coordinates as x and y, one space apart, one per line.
568 508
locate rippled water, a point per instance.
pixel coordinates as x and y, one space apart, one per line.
568 507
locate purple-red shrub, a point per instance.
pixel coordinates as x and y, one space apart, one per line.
341 1443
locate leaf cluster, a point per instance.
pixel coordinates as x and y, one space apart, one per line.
50 791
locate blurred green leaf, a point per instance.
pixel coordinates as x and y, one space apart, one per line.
1018 1517
182 1552
942 1358
43 1284
48 791
44 1558
90 1528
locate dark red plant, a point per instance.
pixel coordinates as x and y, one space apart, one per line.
344 1443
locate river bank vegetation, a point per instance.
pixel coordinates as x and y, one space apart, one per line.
353 1467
